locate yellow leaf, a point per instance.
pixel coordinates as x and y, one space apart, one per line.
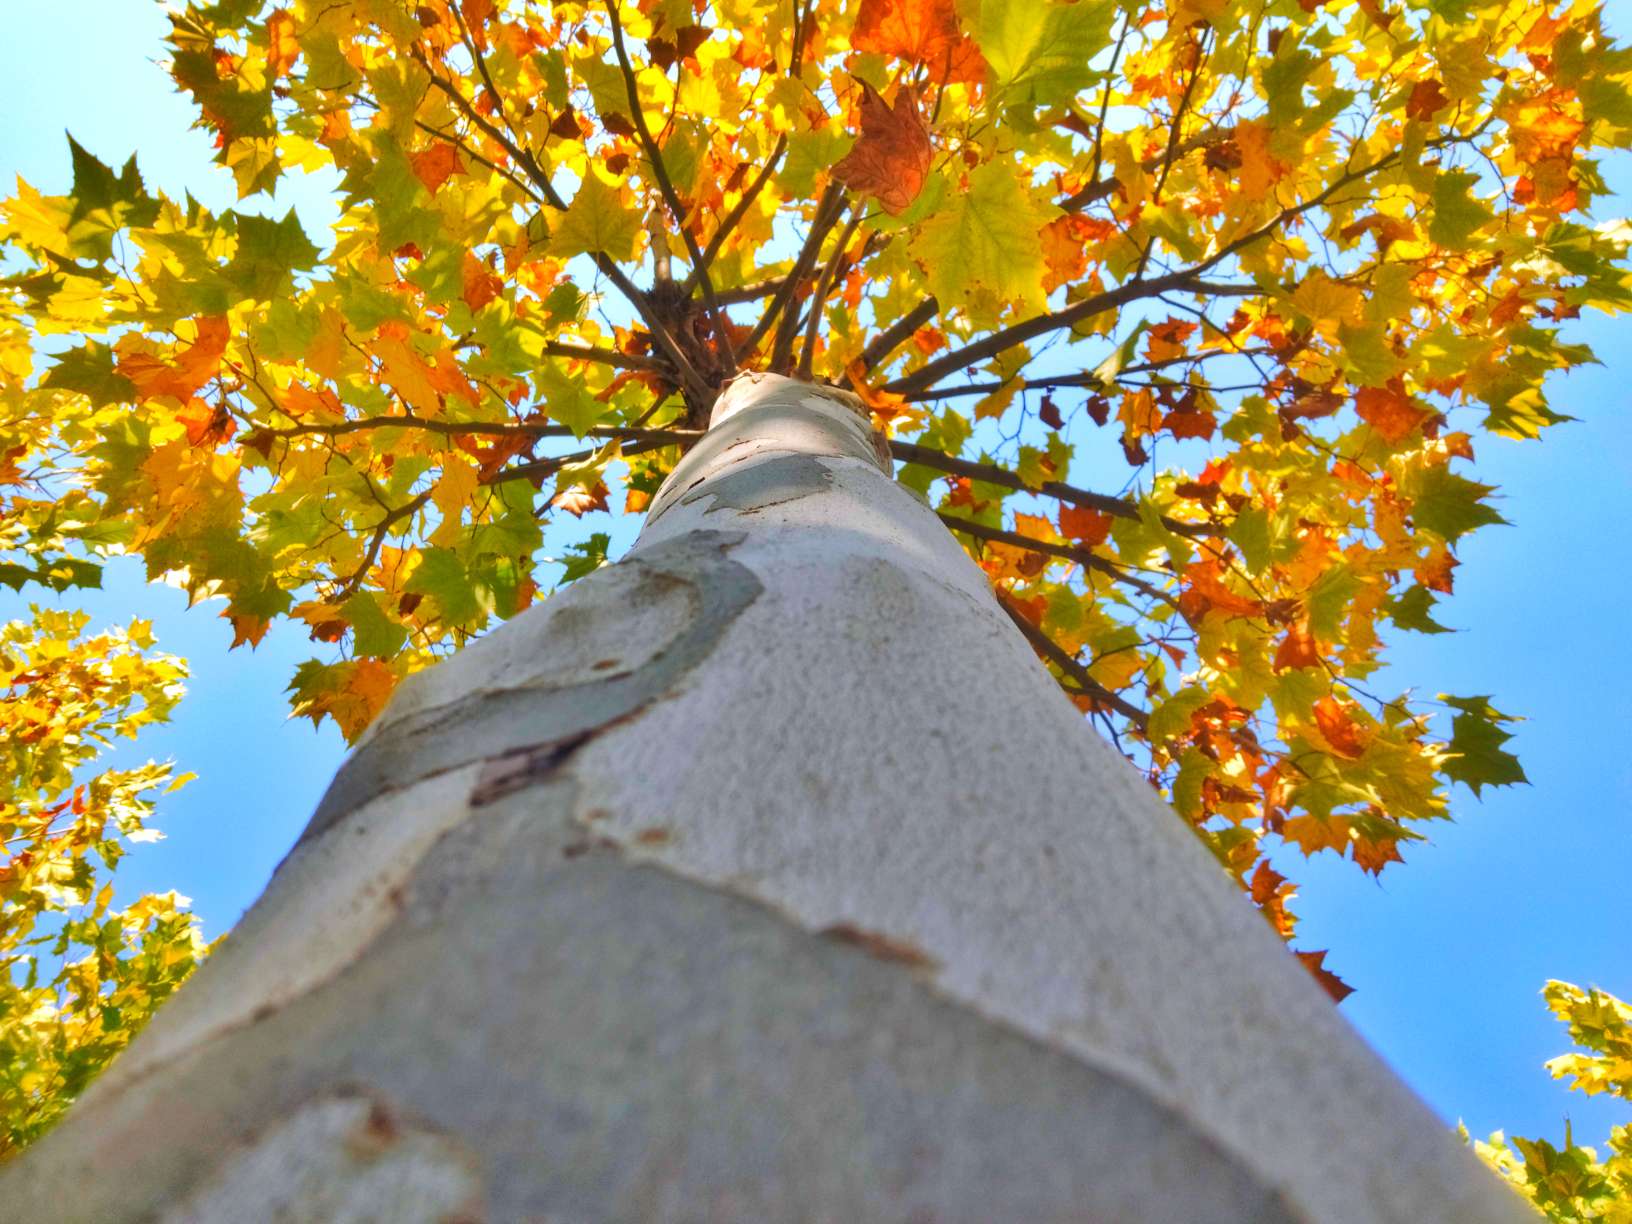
597 221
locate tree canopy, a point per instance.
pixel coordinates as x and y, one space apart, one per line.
1284 264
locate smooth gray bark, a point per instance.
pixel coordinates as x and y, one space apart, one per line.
764 875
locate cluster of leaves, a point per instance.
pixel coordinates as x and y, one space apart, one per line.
1284 259
78 978
1570 1184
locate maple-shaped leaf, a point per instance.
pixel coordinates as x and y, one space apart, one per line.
925 32
269 253
891 160
986 236
1086 526
1477 737
1452 505
190 369
1389 411
1333 985
104 202
597 222
1297 648
1038 52
435 165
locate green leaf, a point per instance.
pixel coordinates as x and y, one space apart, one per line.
986 238
1450 505
90 371
1251 534
1413 609
597 222
567 399
373 633
269 253
442 576
1476 740
585 557
1455 213
105 203
1037 53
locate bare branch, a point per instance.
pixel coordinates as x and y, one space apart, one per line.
538 468
1037 325
381 530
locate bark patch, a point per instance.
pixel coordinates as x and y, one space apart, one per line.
758 486
534 728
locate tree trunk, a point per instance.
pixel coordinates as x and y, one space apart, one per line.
766 876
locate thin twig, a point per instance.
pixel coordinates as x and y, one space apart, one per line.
381 530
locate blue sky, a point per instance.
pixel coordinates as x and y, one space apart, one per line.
1448 953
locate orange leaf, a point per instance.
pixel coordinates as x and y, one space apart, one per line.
282 48
1065 252
1434 570
1427 100
1346 737
924 31
1260 169
1297 649
1033 526
883 404
579 501
1090 527
191 369
1389 411
480 285
1204 590
1312 834
1329 981
435 165
1190 424
1374 854
891 160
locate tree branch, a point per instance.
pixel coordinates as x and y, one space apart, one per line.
485 429
584 352
1037 325
824 286
880 347
1064 551
733 219
910 452
381 530
820 223
1054 653
666 186
545 467
523 158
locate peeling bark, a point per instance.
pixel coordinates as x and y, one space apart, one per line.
764 875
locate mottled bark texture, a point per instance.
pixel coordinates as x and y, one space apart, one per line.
763 876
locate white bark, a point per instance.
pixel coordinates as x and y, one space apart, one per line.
764 875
